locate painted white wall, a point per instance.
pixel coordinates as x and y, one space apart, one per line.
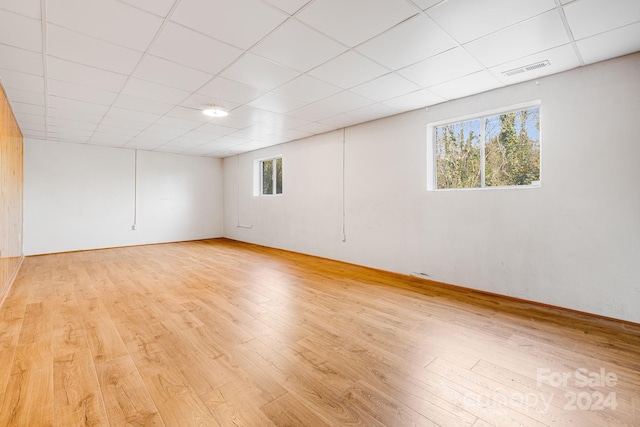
82 197
574 242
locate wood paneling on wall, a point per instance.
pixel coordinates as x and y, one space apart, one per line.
11 194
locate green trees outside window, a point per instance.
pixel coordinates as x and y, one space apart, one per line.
491 151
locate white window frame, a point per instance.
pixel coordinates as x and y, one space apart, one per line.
257 176
431 141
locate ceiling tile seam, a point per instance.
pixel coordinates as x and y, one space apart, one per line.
17 13
567 27
71 30
21 48
458 45
45 68
144 54
133 6
300 9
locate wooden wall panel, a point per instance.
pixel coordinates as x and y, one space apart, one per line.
11 195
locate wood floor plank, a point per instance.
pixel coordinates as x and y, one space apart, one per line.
31 376
126 398
76 392
218 332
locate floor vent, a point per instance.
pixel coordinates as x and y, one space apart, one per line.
526 68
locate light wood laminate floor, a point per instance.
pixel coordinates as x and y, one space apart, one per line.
223 333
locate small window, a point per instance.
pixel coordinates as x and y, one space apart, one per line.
271 176
499 150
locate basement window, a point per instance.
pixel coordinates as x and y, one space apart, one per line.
493 150
271 176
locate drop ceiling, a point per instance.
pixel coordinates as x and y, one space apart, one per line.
137 73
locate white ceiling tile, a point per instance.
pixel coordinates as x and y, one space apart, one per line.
589 17
71 124
30 8
159 7
20 108
28 126
560 59
77 106
241 23
468 20
15 59
117 131
535 35
34 133
374 111
84 75
307 89
231 141
214 129
467 85
198 101
355 21
276 103
167 73
186 143
17 80
348 70
128 102
168 131
20 31
414 100
411 41
74 115
252 114
178 123
287 122
342 120
138 116
108 20
344 101
187 113
220 89
289 6
298 46
292 134
232 121
30 119
613 43
186 46
258 72
76 47
80 93
154 92
24 96
313 112
315 128
110 136
426 4
130 124
388 86
105 142
440 68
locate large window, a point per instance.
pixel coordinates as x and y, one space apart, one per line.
495 150
271 176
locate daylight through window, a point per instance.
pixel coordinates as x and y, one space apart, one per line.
491 151
271 176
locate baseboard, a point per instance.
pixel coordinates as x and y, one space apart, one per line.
9 283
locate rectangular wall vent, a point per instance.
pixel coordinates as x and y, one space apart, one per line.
526 68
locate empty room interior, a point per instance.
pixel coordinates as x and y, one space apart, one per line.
320 213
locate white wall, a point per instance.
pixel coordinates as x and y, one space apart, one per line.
82 197
574 242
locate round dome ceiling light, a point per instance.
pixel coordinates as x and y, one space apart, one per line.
215 111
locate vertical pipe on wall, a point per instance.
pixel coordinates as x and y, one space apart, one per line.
344 215
135 190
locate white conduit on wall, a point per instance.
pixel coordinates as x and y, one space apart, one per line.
238 225
135 190
344 214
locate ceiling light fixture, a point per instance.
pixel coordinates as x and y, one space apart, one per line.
215 111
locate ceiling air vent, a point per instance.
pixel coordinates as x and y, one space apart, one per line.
526 68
